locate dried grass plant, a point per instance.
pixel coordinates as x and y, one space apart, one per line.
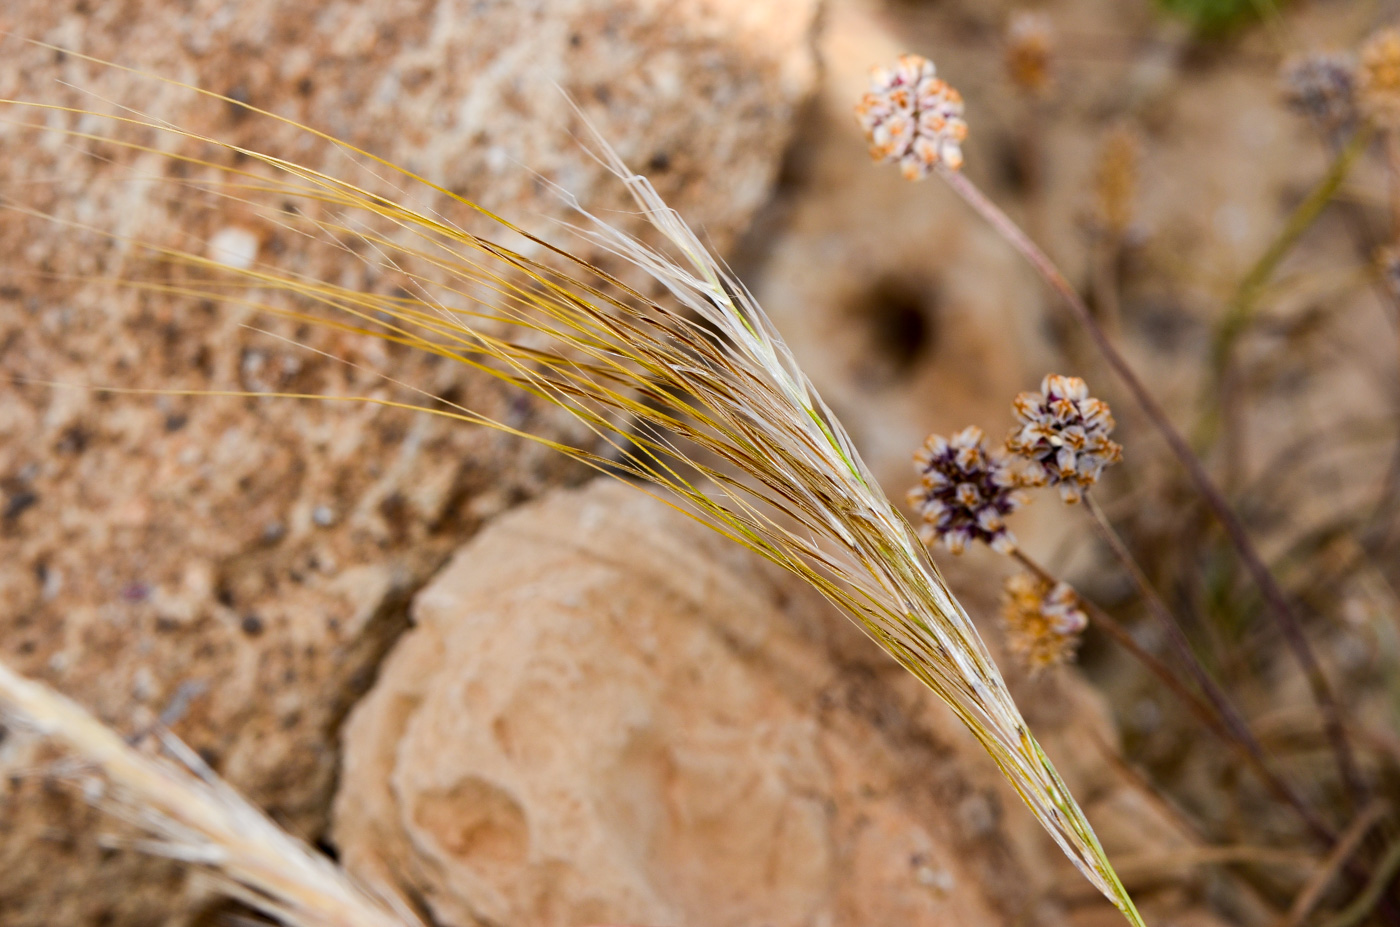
693 393
195 817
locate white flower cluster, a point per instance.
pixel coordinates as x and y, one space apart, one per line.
913 119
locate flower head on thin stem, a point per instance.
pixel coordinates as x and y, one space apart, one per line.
1378 79
1062 436
912 118
1322 86
1030 49
1043 620
965 492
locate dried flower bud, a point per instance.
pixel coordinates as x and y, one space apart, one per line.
1030 48
1116 179
1043 620
1322 87
912 118
965 493
1062 439
1378 79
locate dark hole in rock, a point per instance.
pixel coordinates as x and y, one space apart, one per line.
900 314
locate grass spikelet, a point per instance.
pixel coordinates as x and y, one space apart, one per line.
693 392
200 820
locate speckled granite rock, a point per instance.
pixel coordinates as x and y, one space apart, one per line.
607 713
236 566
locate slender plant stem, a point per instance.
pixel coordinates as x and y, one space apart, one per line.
1240 310
1246 298
1219 700
1374 893
1110 626
1349 842
1246 746
1273 594
1392 164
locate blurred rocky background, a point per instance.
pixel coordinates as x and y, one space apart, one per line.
517 699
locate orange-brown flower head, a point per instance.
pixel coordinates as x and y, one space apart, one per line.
913 119
1322 87
1043 620
1062 436
1030 51
965 492
1378 79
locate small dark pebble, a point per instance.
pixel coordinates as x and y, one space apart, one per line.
252 625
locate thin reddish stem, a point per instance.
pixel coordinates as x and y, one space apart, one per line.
1278 604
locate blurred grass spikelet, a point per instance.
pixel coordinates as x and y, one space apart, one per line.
1062 436
694 393
1116 180
193 816
913 118
1030 51
1043 620
965 492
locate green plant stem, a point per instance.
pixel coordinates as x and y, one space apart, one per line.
1240 311
1273 594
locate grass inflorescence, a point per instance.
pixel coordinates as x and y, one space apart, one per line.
685 387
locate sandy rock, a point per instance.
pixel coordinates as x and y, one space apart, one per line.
238 567
605 713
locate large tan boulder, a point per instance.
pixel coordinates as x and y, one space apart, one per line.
606 713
